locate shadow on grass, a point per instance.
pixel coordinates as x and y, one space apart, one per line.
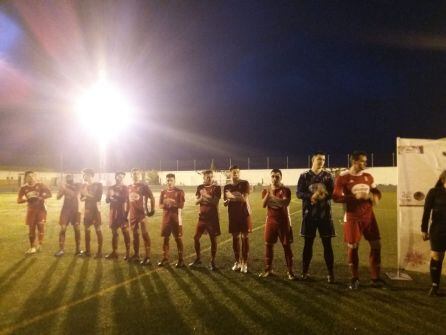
217 316
14 273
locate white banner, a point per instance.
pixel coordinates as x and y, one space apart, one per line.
420 163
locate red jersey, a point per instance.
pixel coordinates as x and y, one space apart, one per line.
137 193
347 186
117 197
177 195
35 195
94 189
237 210
70 193
208 211
279 214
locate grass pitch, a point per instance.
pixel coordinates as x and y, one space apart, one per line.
43 294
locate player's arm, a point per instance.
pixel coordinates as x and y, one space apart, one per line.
428 206
61 192
375 194
21 197
180 204
302 191
149 195
215 199
338 191
329 186
46 192
265 197
110 196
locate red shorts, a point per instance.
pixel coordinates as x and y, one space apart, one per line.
171 227
135 220
278 229
68 216
92 217
118 219
366 225
207 226
35 216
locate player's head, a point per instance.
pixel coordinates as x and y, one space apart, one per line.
318 160
358 160
87 175
170 180
207 177
442 180
119 177
136 175
30 177
276 177
69 178
234 171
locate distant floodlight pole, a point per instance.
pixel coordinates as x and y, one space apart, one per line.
249 163
267 163
371 156
348 160
328 161
178 165
393 159
309 161
161 165
195 165
287 166
230 162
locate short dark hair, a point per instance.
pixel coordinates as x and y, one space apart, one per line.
318 153
356 154
88 171
120 173
234 167
276 171
28 172
207 172
170 175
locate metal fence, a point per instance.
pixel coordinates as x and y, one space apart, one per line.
58 163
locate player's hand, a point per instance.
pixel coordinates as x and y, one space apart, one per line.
314 198
229 195
425 236
151 213
180 231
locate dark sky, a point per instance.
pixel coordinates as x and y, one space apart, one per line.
223 78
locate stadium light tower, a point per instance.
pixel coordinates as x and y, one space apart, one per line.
105 112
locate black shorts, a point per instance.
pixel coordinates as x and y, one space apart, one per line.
325 228
437 239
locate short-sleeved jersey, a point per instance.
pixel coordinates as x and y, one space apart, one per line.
208 211
348 185
35 195
309 182
117 197
175 194
237 210
278 214
137 193
94 189
71 197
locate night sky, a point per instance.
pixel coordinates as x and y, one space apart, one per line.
222 78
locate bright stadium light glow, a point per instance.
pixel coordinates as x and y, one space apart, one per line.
104 110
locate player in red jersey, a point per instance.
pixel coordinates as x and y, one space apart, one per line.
69 214
91 195
236 198
139 194
357 190
278 224
118 198
172 202
208 195
34 194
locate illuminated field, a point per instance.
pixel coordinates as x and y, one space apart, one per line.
69 295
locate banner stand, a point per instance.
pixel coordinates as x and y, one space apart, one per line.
398 275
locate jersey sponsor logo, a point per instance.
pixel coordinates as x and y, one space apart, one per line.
32 194
360 188
133 196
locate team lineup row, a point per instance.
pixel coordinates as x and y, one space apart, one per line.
131 205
